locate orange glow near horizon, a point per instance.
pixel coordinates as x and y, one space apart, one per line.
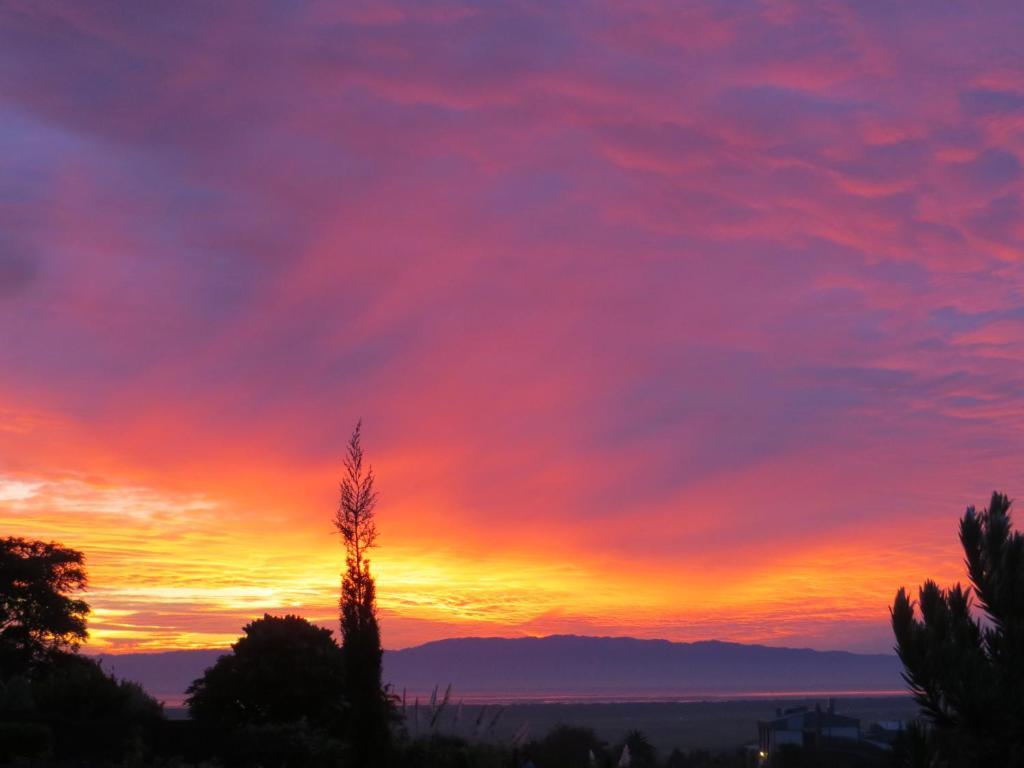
172 572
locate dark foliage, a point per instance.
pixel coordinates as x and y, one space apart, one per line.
283 745
183 742
569 746
39 615
83 711
436 751
282 670
968 675
914 747
54 703
641 753
853 755
371 710
700 758
24 741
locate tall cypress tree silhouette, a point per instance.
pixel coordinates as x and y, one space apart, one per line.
968 675
360 633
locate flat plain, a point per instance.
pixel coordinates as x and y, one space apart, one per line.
713 725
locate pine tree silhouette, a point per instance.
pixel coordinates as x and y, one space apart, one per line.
968 674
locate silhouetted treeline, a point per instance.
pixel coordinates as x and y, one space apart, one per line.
288 694
278 698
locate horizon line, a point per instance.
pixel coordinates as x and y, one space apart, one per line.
154 652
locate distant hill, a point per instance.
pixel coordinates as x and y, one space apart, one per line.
619 666
167 674
572 666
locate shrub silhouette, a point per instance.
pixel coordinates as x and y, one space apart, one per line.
440 751
73 709
91 713
282 670
968 675
280 745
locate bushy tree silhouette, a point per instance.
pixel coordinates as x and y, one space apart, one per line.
360 633
968 674
39 613
51 699
282 670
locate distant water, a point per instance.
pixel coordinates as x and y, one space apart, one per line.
563 670
642 697
715 722
177 700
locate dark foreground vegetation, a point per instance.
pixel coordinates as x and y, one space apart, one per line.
289 694
712 726
968 675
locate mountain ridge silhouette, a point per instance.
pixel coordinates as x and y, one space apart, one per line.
568 665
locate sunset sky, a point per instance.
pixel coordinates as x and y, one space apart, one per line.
702 323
